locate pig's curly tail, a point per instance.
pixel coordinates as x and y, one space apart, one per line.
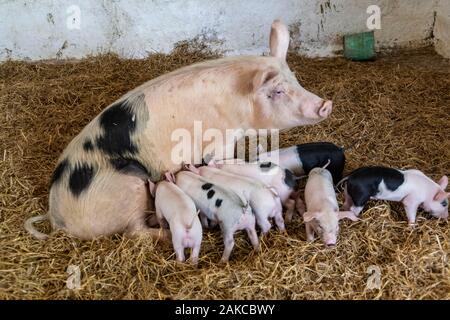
30 228
339 184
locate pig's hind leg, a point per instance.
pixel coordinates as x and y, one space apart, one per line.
348 202
228 240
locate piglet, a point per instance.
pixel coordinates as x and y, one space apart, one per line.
272 175
322 210
412 187
174 207
220 205
302 158
263 200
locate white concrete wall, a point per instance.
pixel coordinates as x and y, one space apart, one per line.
37 29
442 28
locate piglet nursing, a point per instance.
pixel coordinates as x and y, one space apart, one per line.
174 207
302 158
322 210
220 205
263 200
268 173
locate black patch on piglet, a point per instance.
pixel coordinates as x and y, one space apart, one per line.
60 168
266 166
317 154
289 179
80 178
131 167
364 182
87 145
210 194
207 186
118 123
218 203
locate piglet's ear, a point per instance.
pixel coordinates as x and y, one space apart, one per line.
152 188
309 216
441 195
443 182
347 214
263 77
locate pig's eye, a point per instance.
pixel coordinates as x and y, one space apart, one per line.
444 203
275 93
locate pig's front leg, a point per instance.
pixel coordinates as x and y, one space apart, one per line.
309 232
279 221
290 207
411 206
251 232
228 241
204 220
265 225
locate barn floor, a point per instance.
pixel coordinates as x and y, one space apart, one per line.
396 112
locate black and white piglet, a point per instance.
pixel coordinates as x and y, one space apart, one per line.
412 187
302 158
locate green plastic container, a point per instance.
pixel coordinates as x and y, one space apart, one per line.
360 46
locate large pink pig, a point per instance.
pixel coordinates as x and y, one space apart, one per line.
100 187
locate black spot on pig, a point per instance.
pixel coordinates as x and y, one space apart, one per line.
207 186
130 166
364 182
289 179
88 146
317 154
210 194
118 123
266 166
218 203
60 168
80 178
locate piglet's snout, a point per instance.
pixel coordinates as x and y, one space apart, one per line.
326 108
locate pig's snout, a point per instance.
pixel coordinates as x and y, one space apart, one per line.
330 241
326 108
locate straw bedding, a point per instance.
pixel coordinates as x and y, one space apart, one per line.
395 111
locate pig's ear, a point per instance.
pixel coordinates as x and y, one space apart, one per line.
348 214
279 40
309 216
152 188
440 195
263 77
443 182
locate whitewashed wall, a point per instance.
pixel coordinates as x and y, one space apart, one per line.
38 29
442 28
